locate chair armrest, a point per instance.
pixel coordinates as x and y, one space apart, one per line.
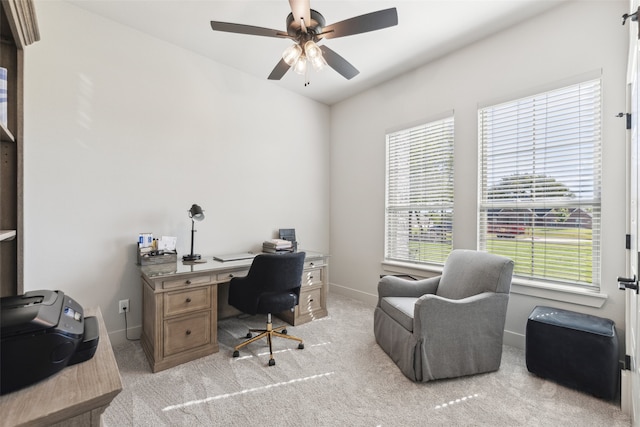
391 286
440 319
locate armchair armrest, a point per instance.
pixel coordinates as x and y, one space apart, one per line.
391 286
440 319
459 337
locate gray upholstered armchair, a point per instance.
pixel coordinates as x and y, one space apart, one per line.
450 325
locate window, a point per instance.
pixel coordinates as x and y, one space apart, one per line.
419 198
540 184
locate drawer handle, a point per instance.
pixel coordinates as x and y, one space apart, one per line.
231 275
188 332
188 299
310 277
311 264
188 282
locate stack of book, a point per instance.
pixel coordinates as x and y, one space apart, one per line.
277 246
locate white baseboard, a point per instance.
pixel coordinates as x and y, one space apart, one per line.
119 337
514 339
355 294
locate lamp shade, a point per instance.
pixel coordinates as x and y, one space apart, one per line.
311 50
300 66
196 212
318 63
291 54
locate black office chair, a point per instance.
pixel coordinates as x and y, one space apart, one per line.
271 286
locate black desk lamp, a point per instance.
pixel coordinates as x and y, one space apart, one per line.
195 213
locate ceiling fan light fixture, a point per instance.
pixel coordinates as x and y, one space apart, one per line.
305 27
292 54
300 66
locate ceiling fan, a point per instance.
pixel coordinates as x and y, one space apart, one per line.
306 27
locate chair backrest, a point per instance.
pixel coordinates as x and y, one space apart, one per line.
277 272
468 273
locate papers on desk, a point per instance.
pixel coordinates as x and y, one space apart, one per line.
277 246
269 246
167 243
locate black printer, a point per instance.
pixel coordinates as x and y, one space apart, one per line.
42 332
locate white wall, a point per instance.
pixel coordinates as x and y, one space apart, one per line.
124 132
576 38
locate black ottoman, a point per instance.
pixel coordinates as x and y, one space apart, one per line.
573 349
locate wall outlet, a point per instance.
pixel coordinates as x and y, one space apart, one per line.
123 305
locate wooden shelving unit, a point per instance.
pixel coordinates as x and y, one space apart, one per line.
18 29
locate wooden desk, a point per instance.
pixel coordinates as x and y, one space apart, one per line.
75 396
181 304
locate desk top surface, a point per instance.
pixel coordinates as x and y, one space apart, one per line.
72 391
211 265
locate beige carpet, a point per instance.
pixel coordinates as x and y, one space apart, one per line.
341 378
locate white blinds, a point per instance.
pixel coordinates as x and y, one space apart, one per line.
540 183
419 199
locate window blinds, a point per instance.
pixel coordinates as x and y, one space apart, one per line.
419 196
540 183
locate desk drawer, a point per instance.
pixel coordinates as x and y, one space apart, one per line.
187 332
312 277
310 301
178 302
226 277
313 263
181 283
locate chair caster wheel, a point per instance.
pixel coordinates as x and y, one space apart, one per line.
272 362
301 346
284 331
248 335
236 353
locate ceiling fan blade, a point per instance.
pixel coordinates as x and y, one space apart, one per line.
362 24
338 63
301 9
247 29
279 71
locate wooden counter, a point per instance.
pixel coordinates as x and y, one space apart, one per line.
75 396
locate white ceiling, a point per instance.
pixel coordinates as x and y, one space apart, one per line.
426 29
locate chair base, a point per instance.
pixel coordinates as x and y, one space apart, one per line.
269 333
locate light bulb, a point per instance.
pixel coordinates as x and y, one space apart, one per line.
312 50
300 66
291 54
318 63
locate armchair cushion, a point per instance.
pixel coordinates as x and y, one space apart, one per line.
469 273
400 309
